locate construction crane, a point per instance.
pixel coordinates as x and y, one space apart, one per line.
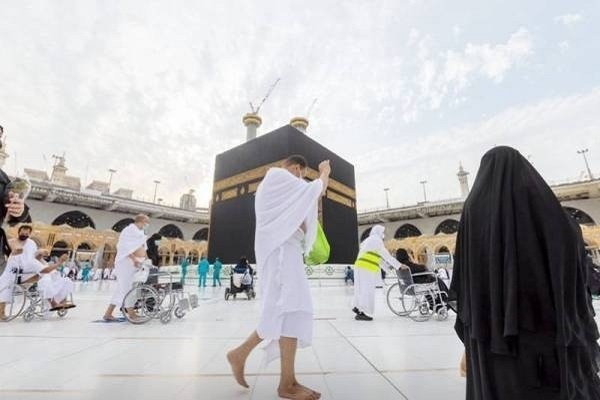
310 108
255 111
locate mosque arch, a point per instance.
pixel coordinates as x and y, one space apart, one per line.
171 231
180 255
85 246
581 217
122 224
194 256
421 256
61 247
447 226
406 231
201 235
164 256
75 219
443 250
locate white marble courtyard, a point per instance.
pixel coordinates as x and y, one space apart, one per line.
390 358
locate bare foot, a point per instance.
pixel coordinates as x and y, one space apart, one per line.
237 364
309 390
108 318
295 392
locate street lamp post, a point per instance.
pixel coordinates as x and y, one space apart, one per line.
424 191
587 165
156 183
387 198
112 172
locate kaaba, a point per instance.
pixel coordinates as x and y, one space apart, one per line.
238 173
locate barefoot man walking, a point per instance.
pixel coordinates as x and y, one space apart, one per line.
286 225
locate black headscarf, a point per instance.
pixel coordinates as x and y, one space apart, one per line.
519 264
152 248
403 257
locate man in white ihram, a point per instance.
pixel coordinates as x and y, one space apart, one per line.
131 253
286 226
372 256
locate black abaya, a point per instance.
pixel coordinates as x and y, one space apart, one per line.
524 312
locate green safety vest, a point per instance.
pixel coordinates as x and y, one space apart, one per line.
369 261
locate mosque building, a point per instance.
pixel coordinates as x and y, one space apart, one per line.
68 216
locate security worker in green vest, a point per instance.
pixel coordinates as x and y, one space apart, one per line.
372 257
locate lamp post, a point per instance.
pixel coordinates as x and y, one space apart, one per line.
112 172
387 198
424 191
587 165
156 183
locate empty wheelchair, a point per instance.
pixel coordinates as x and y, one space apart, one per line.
154 299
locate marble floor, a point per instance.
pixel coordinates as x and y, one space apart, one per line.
74 358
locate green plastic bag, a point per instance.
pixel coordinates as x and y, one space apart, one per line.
320 250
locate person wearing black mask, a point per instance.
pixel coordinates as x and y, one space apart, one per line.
524 312
13 212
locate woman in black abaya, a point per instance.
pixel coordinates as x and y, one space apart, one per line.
524 313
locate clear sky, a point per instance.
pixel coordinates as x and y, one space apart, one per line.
406 89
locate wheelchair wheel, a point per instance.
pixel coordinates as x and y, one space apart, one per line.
146 303
28 315
442 313
14 308
227 294
394 300
62 313
179 313
415 304
165 317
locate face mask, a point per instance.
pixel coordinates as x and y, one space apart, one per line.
23 238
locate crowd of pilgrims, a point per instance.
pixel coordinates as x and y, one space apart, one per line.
521 286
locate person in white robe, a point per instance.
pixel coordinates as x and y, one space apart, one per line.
372 257
52 286
21 263
131 253
286 209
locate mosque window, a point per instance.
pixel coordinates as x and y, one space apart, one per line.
406 231
75 219
448 226
171 231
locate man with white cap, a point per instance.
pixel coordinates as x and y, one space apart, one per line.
372 257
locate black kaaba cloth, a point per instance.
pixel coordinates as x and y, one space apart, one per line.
239 171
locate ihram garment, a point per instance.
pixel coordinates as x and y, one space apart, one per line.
283 205
131 239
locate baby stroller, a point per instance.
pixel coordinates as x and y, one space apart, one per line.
241 281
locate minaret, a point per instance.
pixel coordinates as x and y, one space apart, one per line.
464 181
299 123
252 121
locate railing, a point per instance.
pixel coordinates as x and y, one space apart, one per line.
321 275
